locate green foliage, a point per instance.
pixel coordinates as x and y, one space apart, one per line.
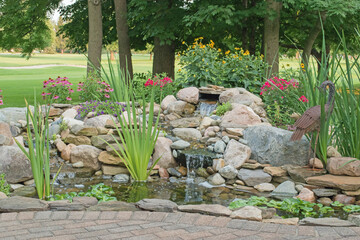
223 108
63 125
4 187
101 107
138 134
57 90
165 86
204 64
93 89
39 155
101 192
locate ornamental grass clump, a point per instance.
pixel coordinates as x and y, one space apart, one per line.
57 90
37 130
138 134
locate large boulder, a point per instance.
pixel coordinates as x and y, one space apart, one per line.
181 108
70 113
189 94
240 116
285 190
164 152
166 101
13 114
86 154
99 121
5 134
227 95
343 166
14 164
343 182
187 134
272 145
236 153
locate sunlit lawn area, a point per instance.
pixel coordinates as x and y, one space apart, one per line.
18 84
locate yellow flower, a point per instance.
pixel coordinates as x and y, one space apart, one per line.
179 70
302 65
237 49
194 75
261 56
201 38
202 60
227 52
246 53
183 42
219 50
240 58
207 70
223 62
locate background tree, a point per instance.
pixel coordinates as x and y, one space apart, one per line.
24 24
95 35
60 40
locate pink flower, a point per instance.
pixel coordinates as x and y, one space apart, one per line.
107 95
79 90
68 98
43 94
71 90
1 102
55 97
80 84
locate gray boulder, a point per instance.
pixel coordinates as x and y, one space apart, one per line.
216 179
228 172
13 114
236 153
253 177
157 205
220 146
14 164
180 144
189 134
272 145
285 190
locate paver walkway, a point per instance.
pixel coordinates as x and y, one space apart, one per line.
154 225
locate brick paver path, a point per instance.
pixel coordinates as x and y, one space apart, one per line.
154 225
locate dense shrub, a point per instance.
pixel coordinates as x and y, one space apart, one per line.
93 89
58 90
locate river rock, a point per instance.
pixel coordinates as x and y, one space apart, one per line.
113 170
202 172
99 141
300 174
25 191
66 153
191 122
253 177
208 209
5 134
187 134
205 123
343 182
157 205
14 164
325 201
121 178
248 212
60 145
180 144
236 153
107 158
285 190
218 163
174 172
77 140
78 165
261 140
327 221
265 187
2 195
332 152
239 117
228 172
275 171
21 204
325 192
228 94
70 122
343 166
166 101
163 173
235 131
69 113
307 195
316 163
162 150
99 121
86 154
344 199
189 94
216 179
84 130
181 108
13 114
220 146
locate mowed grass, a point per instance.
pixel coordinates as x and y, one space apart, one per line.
18 84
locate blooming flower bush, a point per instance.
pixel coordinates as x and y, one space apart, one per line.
58 89
1 98
92 89
278 95
203 64
101 108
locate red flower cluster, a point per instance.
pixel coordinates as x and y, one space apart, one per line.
158 82
303 99
1 101
282 84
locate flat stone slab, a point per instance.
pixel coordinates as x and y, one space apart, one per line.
332 222
22 204
157 205
209 209
113 206
300 174
343 182
65 205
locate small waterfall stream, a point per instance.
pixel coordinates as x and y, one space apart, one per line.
207 108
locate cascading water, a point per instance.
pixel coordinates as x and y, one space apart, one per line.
207 108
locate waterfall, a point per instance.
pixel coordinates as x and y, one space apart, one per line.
207 108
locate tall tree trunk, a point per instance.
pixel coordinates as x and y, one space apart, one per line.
309 42
95 35
122 29
244 31
271 36
164 58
